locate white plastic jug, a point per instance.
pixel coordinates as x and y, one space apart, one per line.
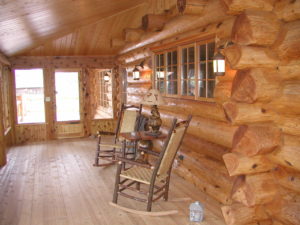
196 212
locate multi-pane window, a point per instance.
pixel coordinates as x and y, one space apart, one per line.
187 71
206 77
105 102
171 75
160 72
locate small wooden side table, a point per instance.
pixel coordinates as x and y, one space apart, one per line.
135 137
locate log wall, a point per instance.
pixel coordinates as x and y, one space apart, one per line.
243 148
265 155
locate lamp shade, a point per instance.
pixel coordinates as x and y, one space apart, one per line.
153 97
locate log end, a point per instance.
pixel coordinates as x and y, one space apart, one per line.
231 163
241 34
243 87
240 132
231 111
229 219
233 55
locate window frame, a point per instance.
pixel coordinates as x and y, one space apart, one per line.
101 83
15 96
179 48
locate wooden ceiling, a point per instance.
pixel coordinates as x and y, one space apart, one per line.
68 27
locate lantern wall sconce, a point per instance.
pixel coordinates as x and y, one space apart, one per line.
106 77
219 64
136 73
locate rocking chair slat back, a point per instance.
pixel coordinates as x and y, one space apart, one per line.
128 123
171 150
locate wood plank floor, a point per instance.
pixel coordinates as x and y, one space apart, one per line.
54 183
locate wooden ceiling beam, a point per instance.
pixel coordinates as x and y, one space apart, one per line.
214 12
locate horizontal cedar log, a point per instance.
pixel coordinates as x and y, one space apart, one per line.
276 222
238 164
210 168
191 144
291 140
213 131
290 180
288 156
237 6
136 55
287 44
255 85
255 27
289 124
242 113
152 22
242 57
191 7
284 211
288 102
256 189
208 188
262 222
287 10
209 110
221 29
194 144
238 214
222 91
250 140
289 72
181 24
202 168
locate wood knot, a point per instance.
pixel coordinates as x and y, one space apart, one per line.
254 166
219 24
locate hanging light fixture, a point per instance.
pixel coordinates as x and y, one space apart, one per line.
136 73
106 77
219 64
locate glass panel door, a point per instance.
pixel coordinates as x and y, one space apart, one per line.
67 96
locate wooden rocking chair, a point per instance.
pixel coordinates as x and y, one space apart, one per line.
127 122
156 178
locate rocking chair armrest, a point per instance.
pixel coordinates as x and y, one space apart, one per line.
105 133
135 163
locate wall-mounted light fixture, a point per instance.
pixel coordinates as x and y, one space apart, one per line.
136 73
219 64
106 77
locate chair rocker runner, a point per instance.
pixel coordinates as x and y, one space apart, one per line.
127 122
156 178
